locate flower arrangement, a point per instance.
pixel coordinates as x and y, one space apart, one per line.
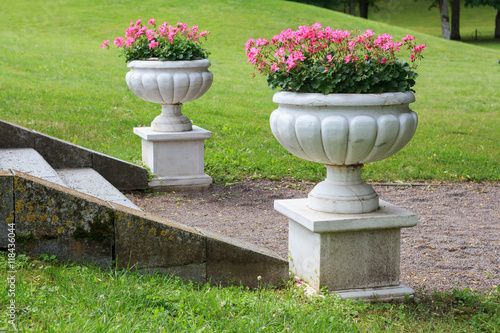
314 59
165 42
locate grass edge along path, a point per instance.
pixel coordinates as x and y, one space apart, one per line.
59 296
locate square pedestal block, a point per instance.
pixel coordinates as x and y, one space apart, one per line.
176 158
354 255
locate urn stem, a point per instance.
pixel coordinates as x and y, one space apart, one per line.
171 119
343 192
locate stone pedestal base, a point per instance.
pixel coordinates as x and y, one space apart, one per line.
176 158
356 255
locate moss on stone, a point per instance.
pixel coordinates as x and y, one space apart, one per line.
100 229
24 239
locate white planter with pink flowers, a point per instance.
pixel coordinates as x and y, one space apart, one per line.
169 83
343 131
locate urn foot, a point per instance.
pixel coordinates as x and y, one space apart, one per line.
343 192
171 120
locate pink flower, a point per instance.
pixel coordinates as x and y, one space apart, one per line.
153 44
408 37
152 21
350 57
249 44
368 33
383 61
261 42
151 34
118 41
419 48
412 57
204 33
130 41
182 26
105 43
252 55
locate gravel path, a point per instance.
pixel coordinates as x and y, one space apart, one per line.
456 242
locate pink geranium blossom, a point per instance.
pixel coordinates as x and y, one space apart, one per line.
118 41
295 56
153 44
419 48
291 49
105 43
142 42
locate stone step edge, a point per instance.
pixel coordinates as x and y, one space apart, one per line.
61 154
221 260
84 180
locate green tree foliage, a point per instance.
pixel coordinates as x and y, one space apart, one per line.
493 3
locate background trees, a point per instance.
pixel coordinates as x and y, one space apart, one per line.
493 3
450 24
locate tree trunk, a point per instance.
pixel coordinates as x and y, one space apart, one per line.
352 7
455 20
445 19
497 24
363 8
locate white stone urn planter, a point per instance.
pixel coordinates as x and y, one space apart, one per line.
169 83
343 131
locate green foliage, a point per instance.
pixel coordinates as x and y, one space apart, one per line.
177 50
366 77
165 42
474 3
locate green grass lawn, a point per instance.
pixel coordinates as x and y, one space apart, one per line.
56 79
52 296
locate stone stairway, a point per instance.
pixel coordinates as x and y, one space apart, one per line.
61 199
85 180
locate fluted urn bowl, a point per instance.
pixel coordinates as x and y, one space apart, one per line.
169 83
343 131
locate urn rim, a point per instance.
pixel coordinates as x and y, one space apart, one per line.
318 99
200 63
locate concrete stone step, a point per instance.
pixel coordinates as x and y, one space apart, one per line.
85 180
89 181
29 161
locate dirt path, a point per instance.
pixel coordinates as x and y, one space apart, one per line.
456 242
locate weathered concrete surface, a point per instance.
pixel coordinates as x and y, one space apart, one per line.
149 243
89 181
345 251
53 219
61 154
29 161
123 175
155 244
14 136
230 261
6 204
